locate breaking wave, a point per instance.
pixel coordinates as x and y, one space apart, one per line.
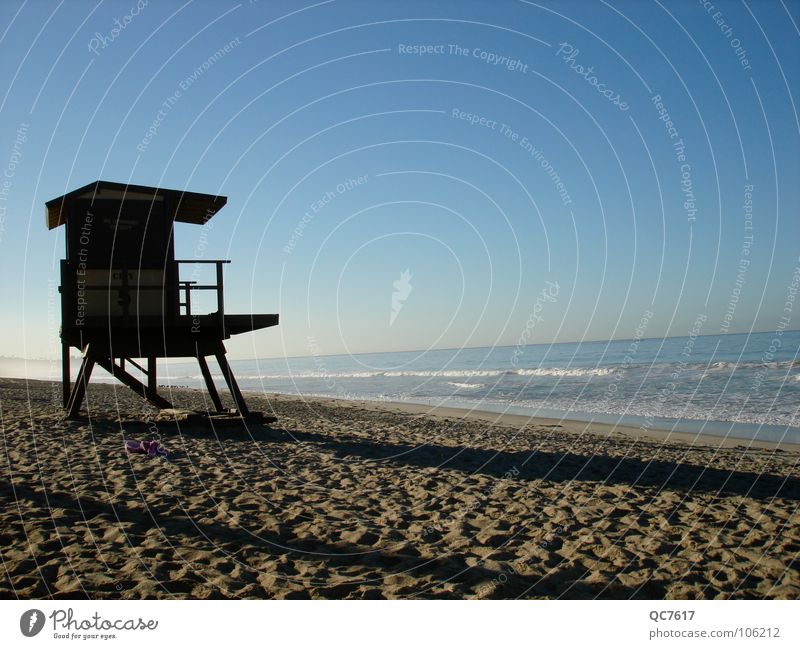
521 372
446 373
465 386
568 371
454 374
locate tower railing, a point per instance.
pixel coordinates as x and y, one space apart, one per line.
185 287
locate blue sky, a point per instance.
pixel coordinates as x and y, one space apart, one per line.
432 137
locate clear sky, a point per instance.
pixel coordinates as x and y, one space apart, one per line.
625 157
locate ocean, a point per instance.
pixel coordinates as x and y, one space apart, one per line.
735 385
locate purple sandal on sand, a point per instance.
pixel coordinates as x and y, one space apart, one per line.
149 448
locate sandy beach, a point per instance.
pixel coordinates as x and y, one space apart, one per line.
349 500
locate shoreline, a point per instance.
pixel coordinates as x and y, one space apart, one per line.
516 420
573 425
716 432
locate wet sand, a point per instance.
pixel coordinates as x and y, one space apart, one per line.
353 500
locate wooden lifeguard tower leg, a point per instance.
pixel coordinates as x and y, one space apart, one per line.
66 385
152 382
238 399
78 392
212 389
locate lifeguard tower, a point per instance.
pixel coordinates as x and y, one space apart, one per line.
122 295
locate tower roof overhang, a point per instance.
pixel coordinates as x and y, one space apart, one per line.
185 207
